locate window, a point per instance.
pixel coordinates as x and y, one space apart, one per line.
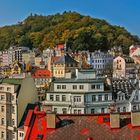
57 98
58 86
119 98
21 134
74 86
2 121
51 97
8 89
63 86
100 98
63 98
64 110
75 111
12 97
13 122
136 97
98 86
106 97
118 109
79 111
122 97
55 110
81 87
134 107
92 86
2 134
13 109
2 108
1 88
124 109
2 97
93 97
92 111
102 110
77 98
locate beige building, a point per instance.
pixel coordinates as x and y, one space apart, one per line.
123 66
15 94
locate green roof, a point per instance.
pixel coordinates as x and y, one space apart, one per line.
11 81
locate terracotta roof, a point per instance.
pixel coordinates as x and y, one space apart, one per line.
41 73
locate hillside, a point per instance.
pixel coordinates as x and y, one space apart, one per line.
80 32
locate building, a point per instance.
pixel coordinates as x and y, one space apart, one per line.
65 64
126 95
15 95
28 57
124 66
102 62
134 52
120 126
13 54
81 95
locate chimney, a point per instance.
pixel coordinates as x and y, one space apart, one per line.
115 120
135 118
51 120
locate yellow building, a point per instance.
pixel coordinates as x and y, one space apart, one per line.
15 69
65 64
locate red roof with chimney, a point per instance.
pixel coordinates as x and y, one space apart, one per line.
41 73
80 127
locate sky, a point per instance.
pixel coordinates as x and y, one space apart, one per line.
124 13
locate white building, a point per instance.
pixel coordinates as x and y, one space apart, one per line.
83 94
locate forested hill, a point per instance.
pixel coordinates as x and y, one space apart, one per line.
80 32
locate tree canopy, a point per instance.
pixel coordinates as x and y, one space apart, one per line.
80 32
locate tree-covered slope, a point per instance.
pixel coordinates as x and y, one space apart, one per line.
80 32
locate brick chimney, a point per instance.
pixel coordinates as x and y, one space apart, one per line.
115 120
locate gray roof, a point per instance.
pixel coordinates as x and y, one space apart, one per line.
123 85
66 59
75 80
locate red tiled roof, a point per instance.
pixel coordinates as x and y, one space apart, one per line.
60 46
41 73
28 119
81 127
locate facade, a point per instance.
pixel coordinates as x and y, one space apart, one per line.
124 66
65 64
41 77
15 94
83 94
102 62
13 54
126 95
